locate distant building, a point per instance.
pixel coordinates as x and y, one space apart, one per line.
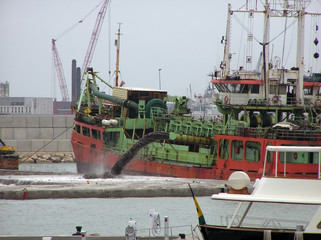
62 108
26 105
30 105
4 89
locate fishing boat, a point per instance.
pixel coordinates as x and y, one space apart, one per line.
267 106
272 192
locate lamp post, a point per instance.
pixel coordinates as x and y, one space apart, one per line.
159 78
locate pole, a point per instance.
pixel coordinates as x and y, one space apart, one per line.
159 80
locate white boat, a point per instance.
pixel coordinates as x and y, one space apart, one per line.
273 190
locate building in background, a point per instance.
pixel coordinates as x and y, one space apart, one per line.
26 105
30 105
4 89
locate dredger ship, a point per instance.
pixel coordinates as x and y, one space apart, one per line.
271 105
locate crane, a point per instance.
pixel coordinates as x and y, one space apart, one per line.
94 38
89 54
60 73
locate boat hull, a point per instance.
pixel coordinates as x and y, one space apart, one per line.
89 160
223 233
9 162
94 155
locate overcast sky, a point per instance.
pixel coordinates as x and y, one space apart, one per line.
181 37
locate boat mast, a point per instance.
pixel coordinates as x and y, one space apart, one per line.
300 53
225 65
117 56
265 44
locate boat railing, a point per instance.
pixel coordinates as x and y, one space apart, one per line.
172 232
270 133
263 222
158 112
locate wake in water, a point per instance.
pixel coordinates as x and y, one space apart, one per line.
129 155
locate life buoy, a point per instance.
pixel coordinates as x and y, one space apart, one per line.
275 99
226 100
318 102
295 155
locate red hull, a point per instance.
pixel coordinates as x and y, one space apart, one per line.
90 156
105 160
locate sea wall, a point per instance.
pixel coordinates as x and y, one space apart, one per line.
37 133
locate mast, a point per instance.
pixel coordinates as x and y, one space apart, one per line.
117 56
266 40
300 54
225 65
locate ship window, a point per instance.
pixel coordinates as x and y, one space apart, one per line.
300 157
308 91
273 89
95 134
252 151
219 87
269 156
237 150
85 131
224 149
255 88
77 128
244 88
110 138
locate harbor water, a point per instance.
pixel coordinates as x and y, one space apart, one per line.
110 216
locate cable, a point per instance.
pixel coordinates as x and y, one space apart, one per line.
46 144
80 21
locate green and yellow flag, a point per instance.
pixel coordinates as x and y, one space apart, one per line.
201 219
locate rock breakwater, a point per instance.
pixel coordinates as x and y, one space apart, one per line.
46 157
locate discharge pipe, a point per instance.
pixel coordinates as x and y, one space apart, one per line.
123 102
184 138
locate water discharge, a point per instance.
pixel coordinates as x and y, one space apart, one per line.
129 155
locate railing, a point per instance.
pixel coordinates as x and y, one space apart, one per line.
270 133
174 232
264 222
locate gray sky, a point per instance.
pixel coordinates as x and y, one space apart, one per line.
182 37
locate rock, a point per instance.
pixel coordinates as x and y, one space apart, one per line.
60 155
68 159
41 160
55 159
46 156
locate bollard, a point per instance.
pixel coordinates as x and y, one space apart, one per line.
78 231
166 228
182 235
25 193
83 235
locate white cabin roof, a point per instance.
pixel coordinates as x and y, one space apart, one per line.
293 149
279 190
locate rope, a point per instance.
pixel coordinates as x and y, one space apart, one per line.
46 144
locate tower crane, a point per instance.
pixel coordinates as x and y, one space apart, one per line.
94 38
60 73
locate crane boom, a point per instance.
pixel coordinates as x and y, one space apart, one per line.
60 73
94 38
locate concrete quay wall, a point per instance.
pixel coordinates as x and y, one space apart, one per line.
31 133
